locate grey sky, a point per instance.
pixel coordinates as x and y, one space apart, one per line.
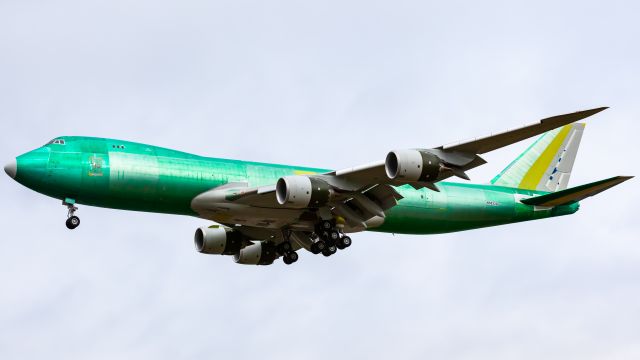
329 84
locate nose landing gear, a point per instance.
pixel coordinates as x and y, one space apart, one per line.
72 220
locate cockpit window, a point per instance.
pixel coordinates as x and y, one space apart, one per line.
56 141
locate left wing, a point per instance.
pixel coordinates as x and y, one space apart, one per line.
361 195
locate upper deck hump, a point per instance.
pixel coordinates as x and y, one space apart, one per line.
142 148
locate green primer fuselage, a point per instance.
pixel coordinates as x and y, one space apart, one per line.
132 176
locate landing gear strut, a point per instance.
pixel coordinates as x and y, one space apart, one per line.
72 220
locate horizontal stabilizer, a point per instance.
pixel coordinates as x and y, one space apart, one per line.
575 194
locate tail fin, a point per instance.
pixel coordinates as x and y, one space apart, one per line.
546 165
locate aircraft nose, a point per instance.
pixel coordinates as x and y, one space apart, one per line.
11 169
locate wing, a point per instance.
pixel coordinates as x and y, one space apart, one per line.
360 195
465 154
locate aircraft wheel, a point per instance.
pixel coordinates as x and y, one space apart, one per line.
290 257
345 242
334 235
72 222
284 247
318 246
327 252
326 225
315 249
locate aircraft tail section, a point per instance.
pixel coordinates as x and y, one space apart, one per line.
575 194
546 165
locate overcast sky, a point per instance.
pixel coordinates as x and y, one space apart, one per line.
328 84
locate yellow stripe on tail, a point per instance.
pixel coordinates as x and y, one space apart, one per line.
546 165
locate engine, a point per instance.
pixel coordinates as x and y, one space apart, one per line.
218 240
302 191
259 253
412 165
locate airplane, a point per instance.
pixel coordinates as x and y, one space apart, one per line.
263 212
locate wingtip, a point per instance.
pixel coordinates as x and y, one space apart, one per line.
619 179
594 110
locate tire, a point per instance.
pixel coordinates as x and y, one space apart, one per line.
72 222
345 242
334 235
326 252
287 260
332 249
321 245
293 256
326 225
314 249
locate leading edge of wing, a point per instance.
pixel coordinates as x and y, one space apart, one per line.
496 141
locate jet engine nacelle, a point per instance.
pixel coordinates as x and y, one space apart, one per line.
412 165
260 253
302 191
217 240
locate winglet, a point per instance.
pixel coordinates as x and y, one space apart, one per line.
575 194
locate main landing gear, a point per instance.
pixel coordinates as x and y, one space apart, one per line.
327 239
286 250
72 220
330 239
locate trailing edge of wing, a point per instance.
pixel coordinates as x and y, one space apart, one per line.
575 194
493 142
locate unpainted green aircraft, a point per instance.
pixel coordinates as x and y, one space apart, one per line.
267 211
